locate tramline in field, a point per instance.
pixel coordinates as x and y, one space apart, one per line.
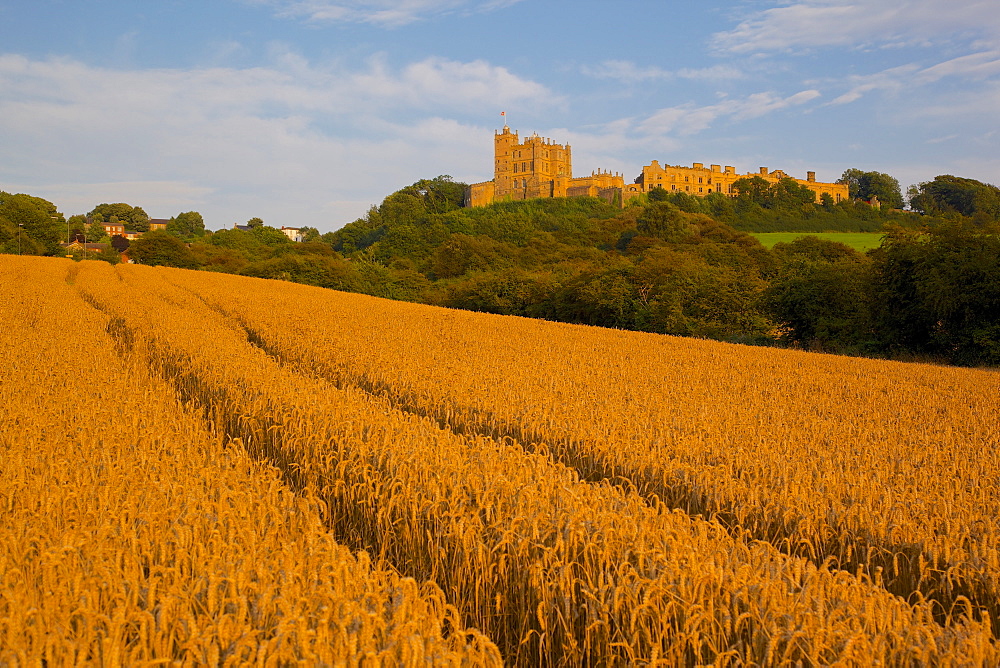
575 495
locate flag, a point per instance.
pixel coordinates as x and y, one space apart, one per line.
503 113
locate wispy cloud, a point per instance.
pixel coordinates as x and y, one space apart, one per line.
911 77
690 119
817 24
629 72
385 13
290 141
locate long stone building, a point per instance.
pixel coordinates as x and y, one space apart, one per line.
538 167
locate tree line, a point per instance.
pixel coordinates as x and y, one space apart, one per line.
669 263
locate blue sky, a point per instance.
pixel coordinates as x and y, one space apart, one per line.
307 112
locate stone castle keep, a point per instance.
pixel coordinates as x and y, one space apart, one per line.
538 167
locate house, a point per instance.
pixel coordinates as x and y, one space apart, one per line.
158 224
111 229
293 233
86 248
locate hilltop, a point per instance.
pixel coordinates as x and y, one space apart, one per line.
669 263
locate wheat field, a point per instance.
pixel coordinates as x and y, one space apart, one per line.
202 468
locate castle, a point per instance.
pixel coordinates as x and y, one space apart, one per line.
538 167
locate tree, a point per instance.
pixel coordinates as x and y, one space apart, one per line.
255 222
789 194
869 185
33 219
187 225
309 234
664 221
752 189
948 194
95 232
133 217
120 243
657 194
158 248
820 294
77 228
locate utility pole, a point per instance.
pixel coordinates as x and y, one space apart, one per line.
20 226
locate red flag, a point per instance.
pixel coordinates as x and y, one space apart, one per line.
503 113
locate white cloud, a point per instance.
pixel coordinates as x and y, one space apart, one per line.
811 24
689 119
385 13
628 72
910 77
973 66
888 81
291 143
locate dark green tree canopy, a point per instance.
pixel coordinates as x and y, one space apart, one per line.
31 218
133 217
187 225
867 185
158 248
949 194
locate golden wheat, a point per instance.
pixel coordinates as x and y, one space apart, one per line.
553 568
130 533
888 469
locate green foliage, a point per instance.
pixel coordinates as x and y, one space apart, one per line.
938 293
669 262
819 295
95 233
31 221
664 221
326 271
162 248
76 227
133 217
187 225
686 294
868 185
948 195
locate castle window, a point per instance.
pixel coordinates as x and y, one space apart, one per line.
686 179
699 180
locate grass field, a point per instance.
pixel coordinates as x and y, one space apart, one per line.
859 241
229 471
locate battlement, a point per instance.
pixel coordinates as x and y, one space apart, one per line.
696 180
541 167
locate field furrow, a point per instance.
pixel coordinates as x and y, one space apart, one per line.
552 568
131 534
884 469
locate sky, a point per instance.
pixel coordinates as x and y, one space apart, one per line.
308 112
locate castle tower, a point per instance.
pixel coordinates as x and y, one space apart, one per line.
537 167
503 152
